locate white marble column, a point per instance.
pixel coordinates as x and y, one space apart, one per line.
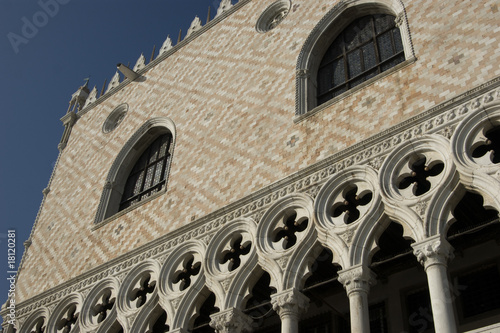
231 321
289 304
433 254
357 281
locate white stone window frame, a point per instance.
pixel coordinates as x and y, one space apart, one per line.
323 35
114 185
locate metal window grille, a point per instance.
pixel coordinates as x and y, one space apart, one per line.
368 46
149 173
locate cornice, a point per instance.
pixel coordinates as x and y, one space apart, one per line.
441 119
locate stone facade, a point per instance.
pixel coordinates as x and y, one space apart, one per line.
243 161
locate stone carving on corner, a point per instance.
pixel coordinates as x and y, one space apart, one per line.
433 251
347 236
421 207
231 320
225 284
358 278
195 26
290 302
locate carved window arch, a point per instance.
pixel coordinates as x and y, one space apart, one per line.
355 43
140 171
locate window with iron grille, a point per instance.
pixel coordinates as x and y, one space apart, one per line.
418 305
369 46
149 172
318 324
479 291
378 318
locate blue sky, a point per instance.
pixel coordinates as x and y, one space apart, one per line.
47 49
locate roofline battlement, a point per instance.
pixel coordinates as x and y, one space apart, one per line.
195 30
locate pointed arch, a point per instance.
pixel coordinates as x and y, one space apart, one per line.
325 32
122 166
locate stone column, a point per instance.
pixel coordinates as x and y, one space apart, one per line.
231 321
178 330
433 254
289 304
357 281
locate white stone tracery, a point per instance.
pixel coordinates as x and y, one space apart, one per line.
425 218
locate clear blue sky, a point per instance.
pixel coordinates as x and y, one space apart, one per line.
43 66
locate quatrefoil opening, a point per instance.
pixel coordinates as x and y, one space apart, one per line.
238 249
68 319
186 273
143 289
419 175
487 146
288 228
103 306
354 199
38 326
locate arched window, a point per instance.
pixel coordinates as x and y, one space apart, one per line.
368 46
149 172
140 171
355 43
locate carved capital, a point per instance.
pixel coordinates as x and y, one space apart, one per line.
357 279
302 73
231 321
399 19
433 251
290 302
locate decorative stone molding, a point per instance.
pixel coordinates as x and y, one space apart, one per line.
183 269
289 303
167 45
447 114
357 279
99 303
433 251
273 15
195 26
224 6
231 321
115 81
115 118
92 97
140 63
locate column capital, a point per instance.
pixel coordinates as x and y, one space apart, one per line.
290 302
357 278
231 320
433 251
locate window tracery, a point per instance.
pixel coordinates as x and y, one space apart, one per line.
149 172
369 46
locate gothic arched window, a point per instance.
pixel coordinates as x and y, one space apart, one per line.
140 171
148 176
369 46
